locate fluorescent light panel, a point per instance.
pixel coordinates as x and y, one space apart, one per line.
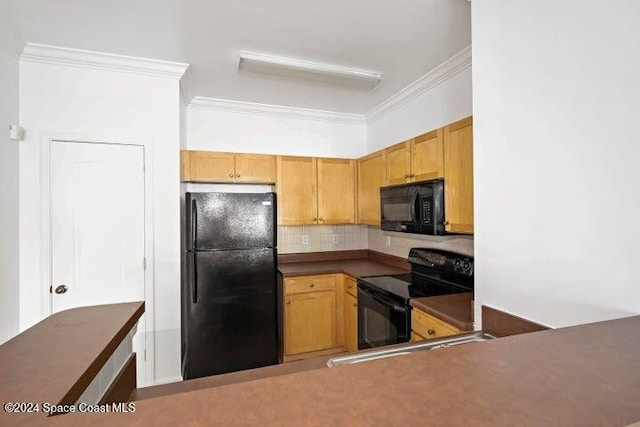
287 67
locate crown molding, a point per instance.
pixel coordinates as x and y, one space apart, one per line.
452 66
78 58
243 107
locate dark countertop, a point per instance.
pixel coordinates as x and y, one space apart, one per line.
353 267
231 378
54 360
455 309
587 375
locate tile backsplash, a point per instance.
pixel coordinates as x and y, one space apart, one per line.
320 238
398 244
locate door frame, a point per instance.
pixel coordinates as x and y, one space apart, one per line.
148 329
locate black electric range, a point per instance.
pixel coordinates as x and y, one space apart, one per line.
384 313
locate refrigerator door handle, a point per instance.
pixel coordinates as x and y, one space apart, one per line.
194 224
194 280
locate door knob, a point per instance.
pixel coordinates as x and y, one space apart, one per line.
60 289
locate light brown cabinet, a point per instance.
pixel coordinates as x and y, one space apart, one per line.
371 176
417 159
351 314
315 190
458 176
425 326
210 166
310 315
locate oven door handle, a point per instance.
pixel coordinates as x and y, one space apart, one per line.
384 300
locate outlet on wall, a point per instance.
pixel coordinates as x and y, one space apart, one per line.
334 239
305 239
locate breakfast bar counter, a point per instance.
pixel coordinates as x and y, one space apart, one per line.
584 375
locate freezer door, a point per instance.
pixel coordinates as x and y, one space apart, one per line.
232 312
231 220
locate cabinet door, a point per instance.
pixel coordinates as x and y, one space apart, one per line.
336 191
458 176
427 158
257 168
310 322
371 176
208 166
398 164
297 190
351 322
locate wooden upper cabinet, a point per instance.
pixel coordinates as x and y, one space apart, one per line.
371 176
336 191
210 166
297 190
427 161
398 163
185 167
458 176
255 168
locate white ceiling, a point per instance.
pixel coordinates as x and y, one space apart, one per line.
403 39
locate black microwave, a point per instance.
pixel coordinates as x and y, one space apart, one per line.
413 208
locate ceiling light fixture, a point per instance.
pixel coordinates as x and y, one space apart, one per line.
288 67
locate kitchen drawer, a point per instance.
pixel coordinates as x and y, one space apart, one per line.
428 326
351 286
296 285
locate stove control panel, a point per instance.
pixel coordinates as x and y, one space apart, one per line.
447 261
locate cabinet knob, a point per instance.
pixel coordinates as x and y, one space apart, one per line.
411 175
431 331
320 219
445 223
237 175
314 219
406 176
355 304
312 285
288 302
230 175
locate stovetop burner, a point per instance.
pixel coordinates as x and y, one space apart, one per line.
407 286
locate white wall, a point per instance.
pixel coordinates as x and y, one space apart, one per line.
111 106
9 214
444 103
241 132
556 159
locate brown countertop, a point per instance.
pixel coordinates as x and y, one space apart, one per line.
586 375
352 267
231 378
455 309
54 360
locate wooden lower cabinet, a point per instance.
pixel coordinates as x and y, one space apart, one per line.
310 314
425 326
310 322
351 322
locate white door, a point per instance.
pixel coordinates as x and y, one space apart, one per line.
97 227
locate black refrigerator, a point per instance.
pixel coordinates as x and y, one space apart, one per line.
229 298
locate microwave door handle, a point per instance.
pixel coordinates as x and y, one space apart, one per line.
414 201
